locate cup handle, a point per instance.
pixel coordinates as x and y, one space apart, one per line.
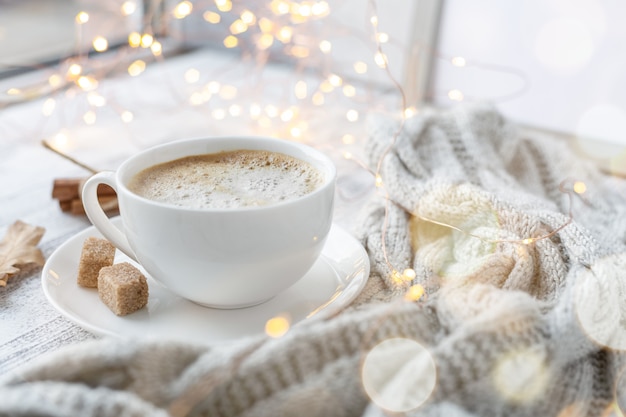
97 216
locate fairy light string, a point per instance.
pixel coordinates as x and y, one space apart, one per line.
381 60
415 292
462 63
77 74
277 27
576 188
82 76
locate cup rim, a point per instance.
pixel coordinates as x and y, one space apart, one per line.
322 162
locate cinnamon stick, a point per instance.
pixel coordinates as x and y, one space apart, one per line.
68 192
108 204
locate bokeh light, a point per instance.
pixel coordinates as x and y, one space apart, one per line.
211 17
192 75
414 293
456 95
521 376
87 83
82 17
277 326
398 375
61 141
146 40
456 254
127 116
48 107
183 9
600 301
100 44
89 117
134 39
136 68
360 67
128 8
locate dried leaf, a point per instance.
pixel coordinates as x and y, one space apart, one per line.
19 248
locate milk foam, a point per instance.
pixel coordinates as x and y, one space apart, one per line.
242 178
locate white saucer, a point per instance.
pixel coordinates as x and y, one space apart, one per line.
333 282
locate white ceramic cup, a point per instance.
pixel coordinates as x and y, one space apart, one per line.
222 258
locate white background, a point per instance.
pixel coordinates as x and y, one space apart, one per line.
570 56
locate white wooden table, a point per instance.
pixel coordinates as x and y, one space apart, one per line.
29 325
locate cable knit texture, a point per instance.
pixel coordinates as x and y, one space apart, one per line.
503 329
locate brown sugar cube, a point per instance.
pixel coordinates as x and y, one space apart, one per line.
123 288
96 254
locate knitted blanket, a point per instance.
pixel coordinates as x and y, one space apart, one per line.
485 299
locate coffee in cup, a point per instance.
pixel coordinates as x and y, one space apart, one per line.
233 179
254 235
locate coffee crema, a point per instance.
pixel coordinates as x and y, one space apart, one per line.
233 179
